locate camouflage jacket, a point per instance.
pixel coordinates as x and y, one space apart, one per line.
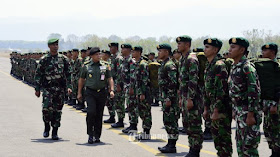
53 73
75 68
168 79
125 72
216 86
188 79
116 61
244 88
140 76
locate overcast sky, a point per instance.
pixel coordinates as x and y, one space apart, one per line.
36 19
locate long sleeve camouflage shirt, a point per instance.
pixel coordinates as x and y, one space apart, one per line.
140 76
125 72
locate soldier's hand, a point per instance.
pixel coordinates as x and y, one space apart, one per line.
250 120
131 91
189 104
215 115
180 103
112 94
69 91
119 89
38 93
142 97
79 97
273 110
167 104
205 114
233 115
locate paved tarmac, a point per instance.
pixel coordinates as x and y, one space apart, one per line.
21 129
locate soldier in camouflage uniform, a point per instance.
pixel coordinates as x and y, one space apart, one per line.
216 98
75 68
190 95
168 84
139 84
244 91
52 77
271 125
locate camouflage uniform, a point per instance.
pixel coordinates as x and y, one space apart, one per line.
216 96
110 102
75 68
189 89
139 82
119 96
52 76
168 83
244 91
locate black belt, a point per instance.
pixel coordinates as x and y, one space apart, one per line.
95 90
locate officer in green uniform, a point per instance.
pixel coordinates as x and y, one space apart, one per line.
95 76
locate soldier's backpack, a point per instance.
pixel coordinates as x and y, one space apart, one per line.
268 72
153 74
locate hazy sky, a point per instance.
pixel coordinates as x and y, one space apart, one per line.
36 19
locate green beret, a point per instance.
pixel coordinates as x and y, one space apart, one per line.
75 50
83 50
106 52
239 41
89 48
152 53
199 49
64 52
53 40
137 48
183 38
60 52
164 46
69 51
94 50
126 46
113 44
271 46
214 42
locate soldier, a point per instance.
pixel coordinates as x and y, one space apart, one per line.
168 84
84 61
52 77
76 65
271 125
153 76
244 91
151 57
216 98
139 86
177 55
94 77
190 95
83 55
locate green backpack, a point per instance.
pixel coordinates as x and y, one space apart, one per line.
202 66
153 74
269 76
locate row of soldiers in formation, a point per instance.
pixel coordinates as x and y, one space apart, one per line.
226 92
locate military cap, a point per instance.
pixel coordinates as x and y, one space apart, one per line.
69 51
164 46
199 49
137 48
113 44
83 50
53 40
126 46
64 52
214 42
106 52
271 46
89 48
183 38
75 49
94 50
152 53
239 41
60 52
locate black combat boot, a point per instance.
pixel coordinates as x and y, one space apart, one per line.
169 148
110 120
74 103
90 139
80 106
131 129
84 110
47 130
119 124
54 133
207 135
145 135
193 153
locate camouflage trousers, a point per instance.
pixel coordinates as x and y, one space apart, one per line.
247 137
132 107
271 125
221 131
119 100
170 119
52 106
111 107
192 121
154 95
74 83
144 109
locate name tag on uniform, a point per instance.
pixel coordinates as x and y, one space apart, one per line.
102 77
102 67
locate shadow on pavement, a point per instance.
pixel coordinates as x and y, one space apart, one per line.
172 154
94 144
48 140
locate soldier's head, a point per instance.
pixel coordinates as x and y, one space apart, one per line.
95 54
114 47
212 46
152 56
137 52
105 55
238 47
88 50
164 51
269 50
75 53
126 49
69 54
53 45
83 53
183 43
176 54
